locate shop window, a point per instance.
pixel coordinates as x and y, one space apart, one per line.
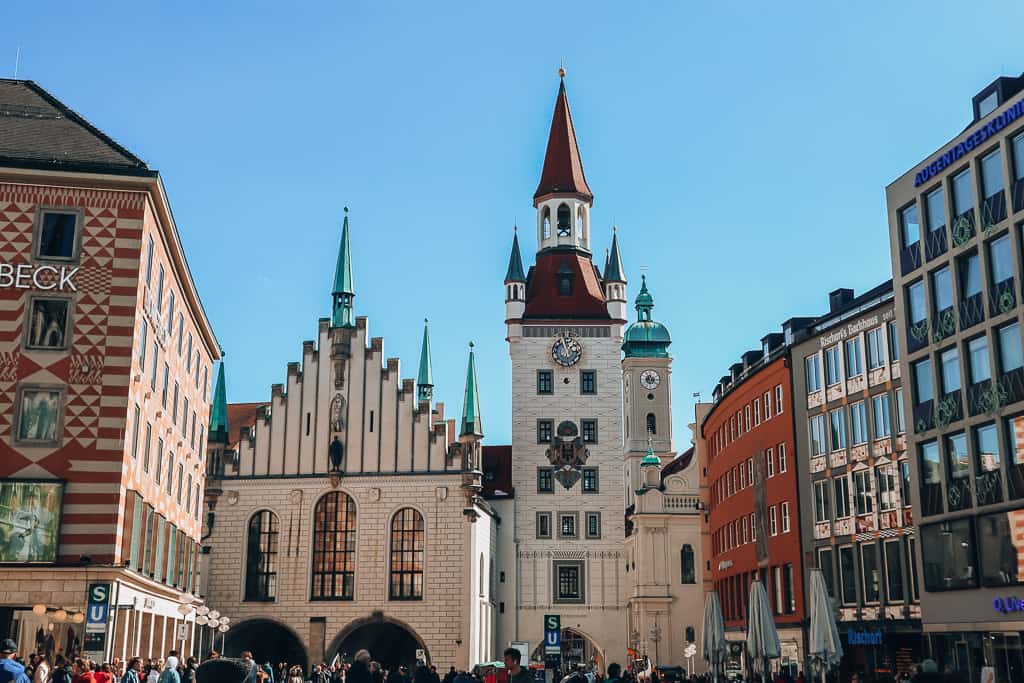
949 555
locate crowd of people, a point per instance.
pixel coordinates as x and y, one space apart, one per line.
37 668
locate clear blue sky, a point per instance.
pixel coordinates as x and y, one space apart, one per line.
743 149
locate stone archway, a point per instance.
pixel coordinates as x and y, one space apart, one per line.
268 641
389 641
577 648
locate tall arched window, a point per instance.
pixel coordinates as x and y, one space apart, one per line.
407 544
261 557
652 424
687 574
564 220
546 222
334 547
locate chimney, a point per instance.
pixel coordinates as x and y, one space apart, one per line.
839 298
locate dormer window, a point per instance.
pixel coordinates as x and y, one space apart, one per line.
988 104
564 220
565 276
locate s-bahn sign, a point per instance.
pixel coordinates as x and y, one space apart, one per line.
45 277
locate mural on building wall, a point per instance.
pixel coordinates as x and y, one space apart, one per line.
29 520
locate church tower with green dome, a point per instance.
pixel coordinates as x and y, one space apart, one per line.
647 388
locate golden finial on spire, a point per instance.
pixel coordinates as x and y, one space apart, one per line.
561 68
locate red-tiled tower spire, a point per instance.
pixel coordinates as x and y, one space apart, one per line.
563 167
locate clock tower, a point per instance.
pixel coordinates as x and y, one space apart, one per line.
647 388
565 325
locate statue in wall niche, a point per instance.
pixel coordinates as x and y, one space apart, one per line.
336 452
567 454
338 413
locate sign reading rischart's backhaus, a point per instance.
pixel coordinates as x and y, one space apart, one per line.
45 277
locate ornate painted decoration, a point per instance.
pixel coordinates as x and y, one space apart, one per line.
567 454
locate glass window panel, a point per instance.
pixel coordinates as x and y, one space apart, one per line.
859 422
57 235
992 173
841 487
923 381
876 348
936 206
942 289
958 459
48 324
1000 548
893 571
977 350
1000 259
949 556
910 225
988 448
812 367
864 498
854 367
963 197
1015 456
1018 156
869 571
832 369
837 429
822 508
886 487
970 275
917 302
1010 357
817 426
848 576
905 482
894 342
880 408
901 426
931 478
950 359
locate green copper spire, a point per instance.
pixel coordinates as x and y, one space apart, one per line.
425 380
515 261
344 290
613 271
219 409
471 424
646 338
650 460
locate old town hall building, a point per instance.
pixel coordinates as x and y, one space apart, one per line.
349 511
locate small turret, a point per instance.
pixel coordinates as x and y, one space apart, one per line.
219 410
425 379
515 281
343 312
650 468
471 424
471 433
646 338
615 281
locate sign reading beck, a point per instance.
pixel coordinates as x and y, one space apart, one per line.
45 277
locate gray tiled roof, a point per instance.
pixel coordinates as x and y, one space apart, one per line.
39 131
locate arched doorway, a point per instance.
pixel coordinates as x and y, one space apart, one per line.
388 641
268 641
577 648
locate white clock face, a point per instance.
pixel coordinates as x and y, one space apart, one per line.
650 379
567 350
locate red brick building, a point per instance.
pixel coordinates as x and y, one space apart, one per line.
752 502
105 363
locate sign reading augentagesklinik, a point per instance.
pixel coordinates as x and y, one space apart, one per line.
967 144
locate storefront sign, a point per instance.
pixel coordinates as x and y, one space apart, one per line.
1008 604
864 637
973 140
46 277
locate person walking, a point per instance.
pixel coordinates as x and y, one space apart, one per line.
83 673
132 671
614 673
103 674
42 671
516 673
62 672
170 672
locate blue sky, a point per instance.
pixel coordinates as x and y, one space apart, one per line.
742 148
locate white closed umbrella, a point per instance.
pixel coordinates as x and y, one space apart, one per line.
762 638
712 635
823 640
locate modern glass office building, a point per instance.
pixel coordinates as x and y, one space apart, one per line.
955 231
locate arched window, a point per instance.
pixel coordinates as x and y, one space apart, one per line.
687 574
261 557
546 222
652 424
579 222
334 547
407 555
564 220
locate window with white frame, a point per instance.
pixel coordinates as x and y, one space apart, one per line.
822 509
785 518
854 367
841 501
812 367
746 417
864 498
767 405
757 412
778 399
753 529
833 372
769 458
746 530
837 429
876 348
901 425
817 427
743 475
859 422
750 471
886 487
782 457
773 522
880 410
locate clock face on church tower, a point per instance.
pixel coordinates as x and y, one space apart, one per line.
566 351
650 379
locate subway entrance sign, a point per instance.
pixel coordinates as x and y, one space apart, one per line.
552 634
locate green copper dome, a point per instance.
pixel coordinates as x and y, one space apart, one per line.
646 338
650 460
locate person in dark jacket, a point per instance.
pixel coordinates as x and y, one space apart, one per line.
359 672
223 670
11 670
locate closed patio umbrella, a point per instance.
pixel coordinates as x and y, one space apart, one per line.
823 639
712 635
762 638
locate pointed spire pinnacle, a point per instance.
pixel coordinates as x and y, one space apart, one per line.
515 261
563 167
613 271
644 300
650 459
218 432
344 289
471 424
425 380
